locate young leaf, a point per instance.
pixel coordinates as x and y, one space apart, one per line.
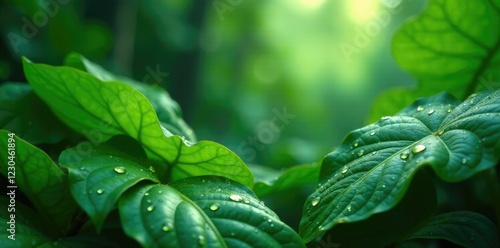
42 181
100 110
167 110
467 229
202 211
99 180
372 169
451 46
35 125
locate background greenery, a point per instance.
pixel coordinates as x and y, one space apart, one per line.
230 70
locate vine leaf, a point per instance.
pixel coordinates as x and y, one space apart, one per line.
451 46
372 169
467 229
100 110
202 211
42 181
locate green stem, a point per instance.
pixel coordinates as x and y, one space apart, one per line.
490 177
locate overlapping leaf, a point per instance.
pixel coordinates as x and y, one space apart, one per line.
464 228
452 46
372 169
42 181
99 180
101 110
202 212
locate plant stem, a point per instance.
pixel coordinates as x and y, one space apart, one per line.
490 177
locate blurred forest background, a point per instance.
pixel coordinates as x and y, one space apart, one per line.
231 65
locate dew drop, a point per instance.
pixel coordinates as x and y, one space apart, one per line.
418 148
269 220
100 191
345 169
247 201
360 153
431 112
383 185
201 240
214 206
159 191
372 133
166 227
448 110
404 155
150 208
385 118
120 170
146 194
315 201
152 169
373 153
464 161
349 208
440 132
356 144
420 108
82 168
235 198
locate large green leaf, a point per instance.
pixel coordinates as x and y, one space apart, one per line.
42 181
167 110
35 125
202 212
372 169
451 46
464 228
100 179
100 110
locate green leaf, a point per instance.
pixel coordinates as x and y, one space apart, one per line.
464 228
99 180
42 181
451 46
295 176
29 231
167 110
202 211
372 169
390 227
100 110
35 125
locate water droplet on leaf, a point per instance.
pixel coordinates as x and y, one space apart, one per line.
404 155
418 148
420 108
372 133
100 191
315 201
345 169
431 112
150 208
214 206
235 198
120 170
360 153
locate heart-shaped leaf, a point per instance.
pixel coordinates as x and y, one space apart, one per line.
372 169
464 228
100 110
100 179
202 211
42 181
